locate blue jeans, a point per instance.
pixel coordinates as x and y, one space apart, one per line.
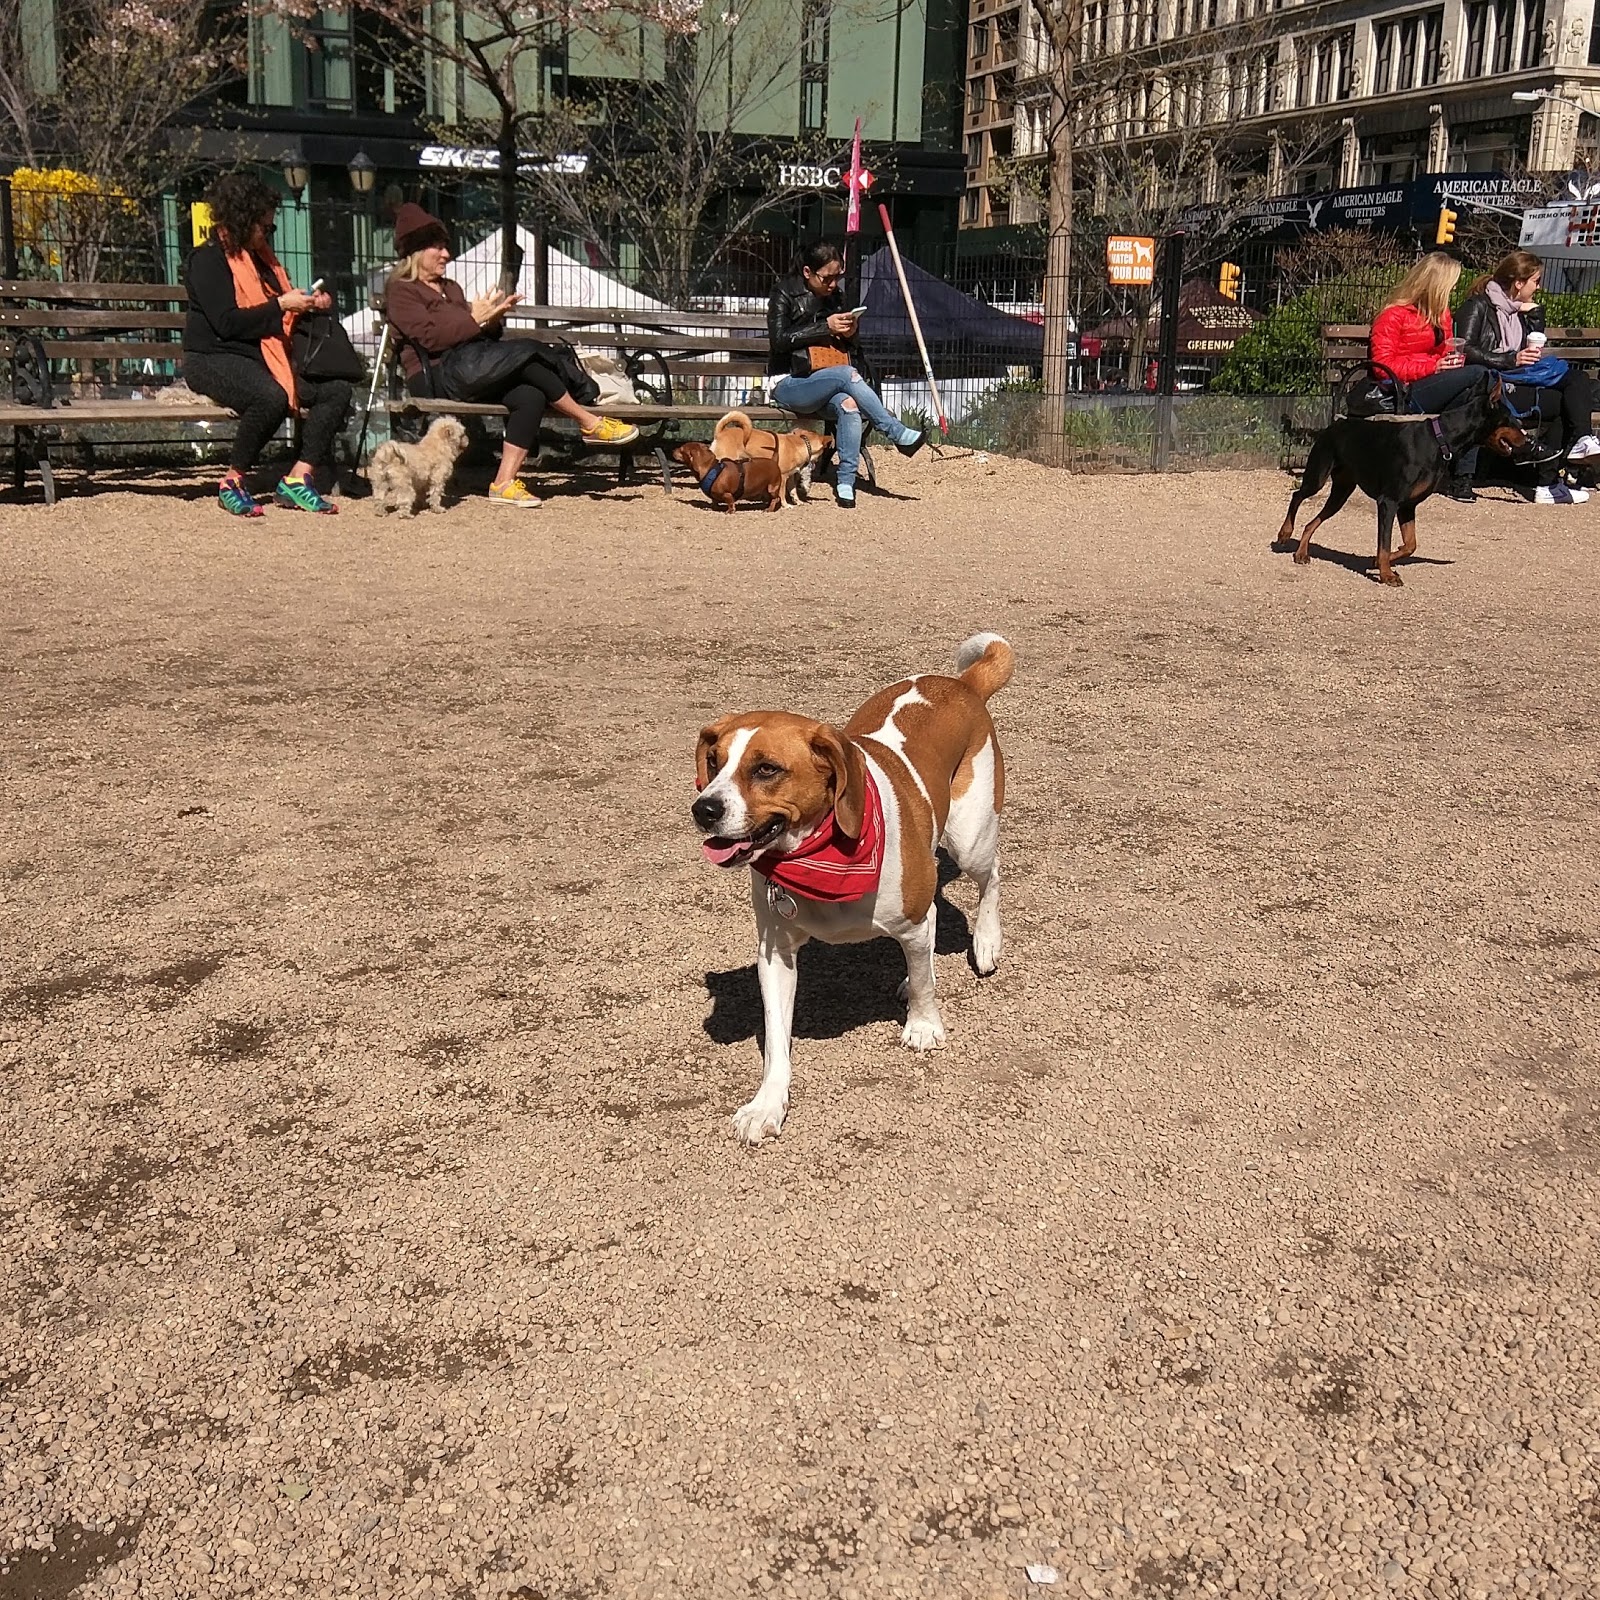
823 393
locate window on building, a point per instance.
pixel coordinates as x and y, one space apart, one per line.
1331 75
1477 57
1383 69
1432 30
1406 68
327 62
969 207
974 150
1505 29
1212 12
814 66
980 40
1533 33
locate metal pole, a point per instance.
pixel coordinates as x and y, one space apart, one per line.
916 325
1167 368
8 233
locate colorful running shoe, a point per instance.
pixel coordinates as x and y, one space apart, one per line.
513 493
237 500
298 495
609 431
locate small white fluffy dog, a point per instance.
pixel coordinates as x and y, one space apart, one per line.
401 473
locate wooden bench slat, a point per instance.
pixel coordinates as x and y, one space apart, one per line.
632 413
136 293
577 316
134 318
82 411
106 350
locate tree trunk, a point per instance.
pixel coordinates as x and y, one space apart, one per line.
1058 259
510 249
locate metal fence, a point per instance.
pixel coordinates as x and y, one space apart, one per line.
1238 396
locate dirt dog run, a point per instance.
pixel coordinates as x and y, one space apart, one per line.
369 1024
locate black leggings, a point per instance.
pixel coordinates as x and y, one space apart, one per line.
247 387
535 388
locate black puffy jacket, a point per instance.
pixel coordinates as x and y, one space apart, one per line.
798 319
1479 324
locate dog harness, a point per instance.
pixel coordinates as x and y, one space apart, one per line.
828 864
711 477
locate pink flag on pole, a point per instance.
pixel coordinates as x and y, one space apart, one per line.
852 220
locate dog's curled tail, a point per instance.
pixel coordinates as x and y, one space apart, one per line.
737 420
985 663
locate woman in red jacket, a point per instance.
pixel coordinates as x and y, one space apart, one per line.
1413 338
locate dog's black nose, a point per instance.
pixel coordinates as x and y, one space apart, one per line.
707 810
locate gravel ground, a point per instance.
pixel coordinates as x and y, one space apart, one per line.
369 1024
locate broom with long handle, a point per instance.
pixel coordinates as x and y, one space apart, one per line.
916 326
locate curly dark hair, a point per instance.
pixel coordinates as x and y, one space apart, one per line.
238 201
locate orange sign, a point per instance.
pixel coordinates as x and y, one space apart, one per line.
1130 260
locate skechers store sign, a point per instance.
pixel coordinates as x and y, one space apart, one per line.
1386 207
455 159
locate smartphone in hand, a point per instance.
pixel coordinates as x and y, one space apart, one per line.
316 288
857 311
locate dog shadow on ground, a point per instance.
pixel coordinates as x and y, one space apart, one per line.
1363 566
842 986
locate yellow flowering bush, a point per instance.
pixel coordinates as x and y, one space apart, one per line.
61 216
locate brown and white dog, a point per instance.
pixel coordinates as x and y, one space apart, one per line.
736 438
840 827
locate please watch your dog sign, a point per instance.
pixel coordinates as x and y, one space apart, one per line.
1130 260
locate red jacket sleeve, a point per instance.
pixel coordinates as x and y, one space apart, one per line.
1395 344
437 322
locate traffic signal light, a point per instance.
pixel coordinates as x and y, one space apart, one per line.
1445 233
1228 281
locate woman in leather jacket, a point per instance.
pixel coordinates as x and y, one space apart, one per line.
806 315
1496 319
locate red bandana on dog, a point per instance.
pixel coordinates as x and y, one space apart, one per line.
828 864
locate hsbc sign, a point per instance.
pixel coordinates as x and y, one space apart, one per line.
801 177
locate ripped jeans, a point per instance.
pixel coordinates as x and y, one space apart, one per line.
825 392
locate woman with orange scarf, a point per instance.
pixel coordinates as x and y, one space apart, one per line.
236 347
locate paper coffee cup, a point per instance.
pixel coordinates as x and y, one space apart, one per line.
1536 341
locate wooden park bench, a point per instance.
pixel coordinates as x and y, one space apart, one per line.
672 355
1344 345
90 336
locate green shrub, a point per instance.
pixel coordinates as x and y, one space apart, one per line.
1282 354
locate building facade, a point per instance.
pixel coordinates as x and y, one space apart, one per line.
350 117
1289 98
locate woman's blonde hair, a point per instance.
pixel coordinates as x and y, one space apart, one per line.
1427 286
408 268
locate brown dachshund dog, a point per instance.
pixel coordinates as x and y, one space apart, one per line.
727 481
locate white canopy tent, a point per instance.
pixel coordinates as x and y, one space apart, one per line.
477 270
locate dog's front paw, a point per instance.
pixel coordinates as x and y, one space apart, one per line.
752 1123
985 951
923 1033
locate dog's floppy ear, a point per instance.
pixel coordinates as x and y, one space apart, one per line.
710 737
837 754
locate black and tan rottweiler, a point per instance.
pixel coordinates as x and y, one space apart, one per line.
1399 462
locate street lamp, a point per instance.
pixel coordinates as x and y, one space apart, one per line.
363 172
1529 95
296 174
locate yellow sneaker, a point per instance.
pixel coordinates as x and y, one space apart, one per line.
515 493
609 431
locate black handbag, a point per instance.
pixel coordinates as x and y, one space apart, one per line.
320 349
483 369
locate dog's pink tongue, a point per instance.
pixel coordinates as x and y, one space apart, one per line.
721 854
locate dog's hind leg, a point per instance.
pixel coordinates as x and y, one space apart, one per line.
1408 529
1318 465
1386 573
972 836
1343 488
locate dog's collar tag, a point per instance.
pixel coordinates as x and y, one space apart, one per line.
781 901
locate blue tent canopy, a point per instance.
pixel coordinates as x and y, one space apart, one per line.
966 338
